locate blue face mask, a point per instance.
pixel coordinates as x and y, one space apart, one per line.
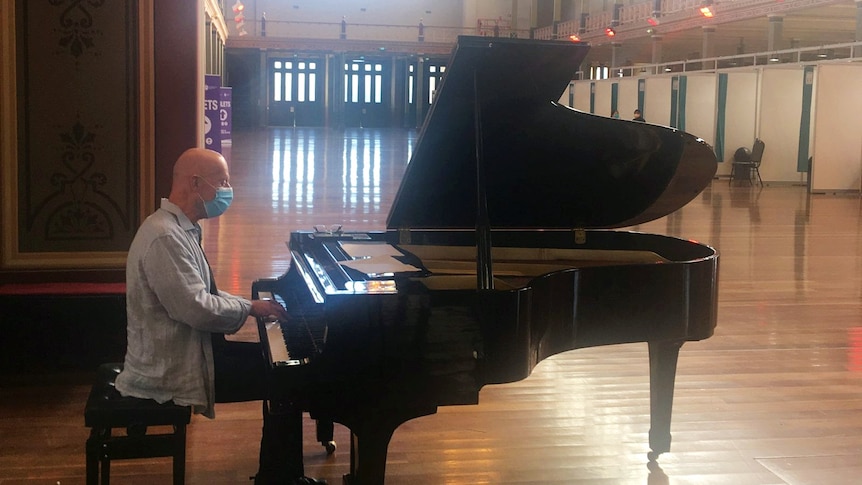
222 200
217 206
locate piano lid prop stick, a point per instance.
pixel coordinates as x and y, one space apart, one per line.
484 273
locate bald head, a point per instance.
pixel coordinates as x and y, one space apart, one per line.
198 161
196 174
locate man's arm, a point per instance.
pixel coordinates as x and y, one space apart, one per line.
175 276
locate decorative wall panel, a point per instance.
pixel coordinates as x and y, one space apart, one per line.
75 198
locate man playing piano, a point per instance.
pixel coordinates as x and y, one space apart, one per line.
177 319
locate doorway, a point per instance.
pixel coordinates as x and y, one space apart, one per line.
296 92
367 88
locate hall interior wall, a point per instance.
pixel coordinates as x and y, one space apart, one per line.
765 103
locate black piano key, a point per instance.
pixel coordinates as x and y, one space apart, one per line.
305 331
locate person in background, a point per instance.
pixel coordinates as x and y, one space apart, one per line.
615 114
177 319
638 116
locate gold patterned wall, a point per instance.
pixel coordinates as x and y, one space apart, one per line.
74 150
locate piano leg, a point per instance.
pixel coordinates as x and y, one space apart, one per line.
663 358
325 432
371 444
369 440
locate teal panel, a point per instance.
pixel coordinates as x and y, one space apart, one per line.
593 98
720 117
615 96
641 95
674 101
681 106
805 124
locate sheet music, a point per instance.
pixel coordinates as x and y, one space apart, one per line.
375 258
380 265
369 250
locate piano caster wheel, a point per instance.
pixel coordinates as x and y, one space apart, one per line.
330 447
652 456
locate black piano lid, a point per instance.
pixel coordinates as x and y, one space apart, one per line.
546 165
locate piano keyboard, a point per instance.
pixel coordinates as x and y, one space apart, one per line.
298 340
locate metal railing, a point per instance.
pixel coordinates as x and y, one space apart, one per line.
380 32
847 52
675 15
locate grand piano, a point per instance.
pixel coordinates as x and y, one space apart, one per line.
499 251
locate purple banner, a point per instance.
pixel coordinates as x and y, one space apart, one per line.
225 115
212 124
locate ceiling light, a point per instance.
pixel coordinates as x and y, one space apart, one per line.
707 9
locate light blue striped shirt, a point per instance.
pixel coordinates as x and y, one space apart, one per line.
171 314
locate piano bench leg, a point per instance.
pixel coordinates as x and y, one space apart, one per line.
107 410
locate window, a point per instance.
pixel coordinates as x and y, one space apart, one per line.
363 82
294 81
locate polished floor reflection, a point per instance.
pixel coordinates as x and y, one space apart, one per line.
296 178
775 397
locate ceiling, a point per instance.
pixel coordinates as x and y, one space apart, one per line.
833 23
740 27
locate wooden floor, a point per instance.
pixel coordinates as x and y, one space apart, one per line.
775 397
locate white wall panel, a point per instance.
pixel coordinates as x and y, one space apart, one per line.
837 128
657 100
627 100
700 105
780 117
740 115
603 98
582 96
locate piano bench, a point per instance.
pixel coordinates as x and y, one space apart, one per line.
106 409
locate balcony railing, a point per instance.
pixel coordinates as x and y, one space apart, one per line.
674 15
847 52
378 32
